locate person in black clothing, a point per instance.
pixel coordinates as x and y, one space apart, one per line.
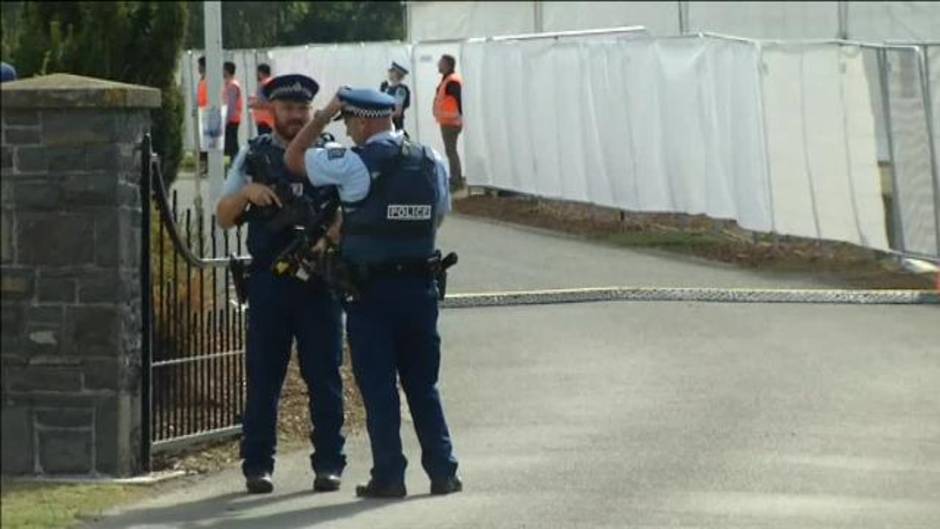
402 94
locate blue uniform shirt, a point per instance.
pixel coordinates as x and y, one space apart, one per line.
336 165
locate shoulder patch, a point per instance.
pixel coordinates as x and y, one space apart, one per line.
335 152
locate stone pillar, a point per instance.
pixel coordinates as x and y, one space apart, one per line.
71 351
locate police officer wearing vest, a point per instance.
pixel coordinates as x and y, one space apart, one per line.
395 195
399 91
284 308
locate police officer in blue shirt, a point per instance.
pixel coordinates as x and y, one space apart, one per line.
284 308
395 195
398 90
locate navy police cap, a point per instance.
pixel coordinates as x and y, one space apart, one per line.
291 87
365 103
399 68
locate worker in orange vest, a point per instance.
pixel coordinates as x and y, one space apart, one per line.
448 111
260 108
232 96
202 99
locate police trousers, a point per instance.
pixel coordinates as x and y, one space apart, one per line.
279 310
392 330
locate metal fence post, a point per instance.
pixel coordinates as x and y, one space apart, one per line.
895 192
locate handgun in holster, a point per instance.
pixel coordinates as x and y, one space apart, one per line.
240 273
438 267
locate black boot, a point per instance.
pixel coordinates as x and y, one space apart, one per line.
446 486
326 482
374 490
259 483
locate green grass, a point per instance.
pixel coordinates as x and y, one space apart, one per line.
676 241
35 505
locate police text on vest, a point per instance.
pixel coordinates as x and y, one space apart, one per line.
408 212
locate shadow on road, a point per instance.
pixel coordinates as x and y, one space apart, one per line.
234 511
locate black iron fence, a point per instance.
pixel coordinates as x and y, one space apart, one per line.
196 334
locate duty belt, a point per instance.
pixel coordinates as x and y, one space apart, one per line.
434 267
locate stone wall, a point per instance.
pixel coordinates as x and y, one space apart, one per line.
71 294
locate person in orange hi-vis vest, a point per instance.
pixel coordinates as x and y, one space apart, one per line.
260 108
202 99
448 111
232 97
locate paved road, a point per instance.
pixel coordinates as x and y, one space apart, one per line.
650 415
615 415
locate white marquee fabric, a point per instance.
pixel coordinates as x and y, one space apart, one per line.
768 20
869 21
461 20
678 125
356 65
660 18
879 21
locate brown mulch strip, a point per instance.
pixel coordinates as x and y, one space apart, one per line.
700 236
293 426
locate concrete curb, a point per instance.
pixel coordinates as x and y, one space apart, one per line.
700 295
152 478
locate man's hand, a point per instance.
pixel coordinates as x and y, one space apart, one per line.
260 195
327 113
294 155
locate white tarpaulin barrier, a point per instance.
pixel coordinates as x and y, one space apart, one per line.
660 18
679 125
912 153
356 65
821 144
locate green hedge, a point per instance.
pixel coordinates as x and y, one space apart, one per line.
131 42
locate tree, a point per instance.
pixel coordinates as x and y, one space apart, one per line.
133 42
270 24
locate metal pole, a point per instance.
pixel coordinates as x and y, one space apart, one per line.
538 23
197 133
213 30
766 145
414 91
408 21
843 15
895 192
146 307
683 17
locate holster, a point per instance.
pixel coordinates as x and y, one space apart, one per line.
240 272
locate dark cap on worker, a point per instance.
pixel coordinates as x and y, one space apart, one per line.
365 103
291 87
398 68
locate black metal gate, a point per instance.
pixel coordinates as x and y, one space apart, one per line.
194 330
